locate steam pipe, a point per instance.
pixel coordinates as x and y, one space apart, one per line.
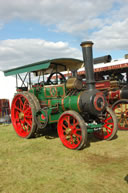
88 63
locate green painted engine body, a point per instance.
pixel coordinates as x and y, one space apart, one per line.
55 100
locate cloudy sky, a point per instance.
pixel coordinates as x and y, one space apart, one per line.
44 29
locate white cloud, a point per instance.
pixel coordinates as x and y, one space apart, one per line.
98 20
49 11
69 15
113 37
19 52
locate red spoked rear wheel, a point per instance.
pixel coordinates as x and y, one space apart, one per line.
121 110
72 130
109 128
22 115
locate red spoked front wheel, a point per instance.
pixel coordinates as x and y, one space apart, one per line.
22 115
72 130
109 128
121 110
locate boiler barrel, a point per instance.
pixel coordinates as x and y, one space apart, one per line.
103 59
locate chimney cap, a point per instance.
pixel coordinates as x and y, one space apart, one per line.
86 44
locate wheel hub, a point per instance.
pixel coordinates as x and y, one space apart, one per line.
122 116
21 115
68 131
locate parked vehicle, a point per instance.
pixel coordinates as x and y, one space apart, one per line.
76 111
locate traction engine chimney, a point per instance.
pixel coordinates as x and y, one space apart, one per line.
88 63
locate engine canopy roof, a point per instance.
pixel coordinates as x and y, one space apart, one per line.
47 66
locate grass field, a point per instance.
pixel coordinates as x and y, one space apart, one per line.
44 165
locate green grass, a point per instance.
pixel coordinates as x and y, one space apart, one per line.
44 165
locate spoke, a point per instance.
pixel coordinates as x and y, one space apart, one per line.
28 116
108 119
28 109
71 140
27 128
126 121
74 121
117 113
25 103
74 125
121 108
125 107
28 122
77 135
15 107
67 119
107 131
117 109
122 124
20 128
120 120
78 129
17 119
78 140
110 123
63 131
21 103
107 127
64 126
64 136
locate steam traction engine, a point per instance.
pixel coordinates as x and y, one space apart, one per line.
75 111
115 87
117 97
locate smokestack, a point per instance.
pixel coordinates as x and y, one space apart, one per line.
88 63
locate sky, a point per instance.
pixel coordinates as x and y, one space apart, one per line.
36 30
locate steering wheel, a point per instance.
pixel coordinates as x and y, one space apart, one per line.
62 78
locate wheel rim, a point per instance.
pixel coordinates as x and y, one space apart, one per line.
121 111
22 117
107 129
69 131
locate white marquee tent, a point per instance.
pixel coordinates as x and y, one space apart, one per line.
7 87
